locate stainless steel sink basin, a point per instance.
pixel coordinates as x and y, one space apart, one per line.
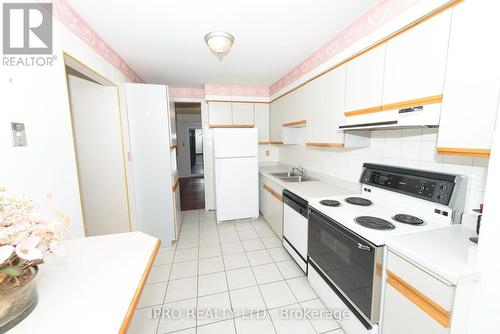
297 179
282 174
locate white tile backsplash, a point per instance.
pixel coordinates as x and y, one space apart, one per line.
413 148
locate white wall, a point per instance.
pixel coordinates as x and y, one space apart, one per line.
268 153
184 123
37 96
413 148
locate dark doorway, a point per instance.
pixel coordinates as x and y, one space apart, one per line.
190 155
196 151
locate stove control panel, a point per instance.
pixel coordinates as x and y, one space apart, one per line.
421 185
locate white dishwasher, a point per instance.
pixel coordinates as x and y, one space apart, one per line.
295 227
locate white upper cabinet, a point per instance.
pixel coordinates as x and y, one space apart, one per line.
326 100
220 113
365 77
243 113
415 61
471 90
276 113
262 121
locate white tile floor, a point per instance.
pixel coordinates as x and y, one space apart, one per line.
238 267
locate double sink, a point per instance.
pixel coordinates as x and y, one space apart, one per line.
291 177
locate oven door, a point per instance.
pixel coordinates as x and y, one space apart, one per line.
349 262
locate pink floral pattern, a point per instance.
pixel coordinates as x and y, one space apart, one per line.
236 90
74 22
375 16
190 93
379 13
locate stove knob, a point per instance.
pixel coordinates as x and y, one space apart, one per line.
421 187
440 197
443 187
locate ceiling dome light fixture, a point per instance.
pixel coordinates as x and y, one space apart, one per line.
219 42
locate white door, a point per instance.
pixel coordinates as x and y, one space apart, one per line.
172 119
243 114
220 113
98 145
415 61
326 101
149 141
235 143
236 188
365 76
262 121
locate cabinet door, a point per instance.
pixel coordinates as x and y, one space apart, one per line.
365 76
472 84
415 61
326 102
172 119
262 121
243 114
178 213
402 316
220 113
276 113
272 206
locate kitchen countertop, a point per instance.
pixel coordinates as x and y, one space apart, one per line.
447 252
94 287
310 189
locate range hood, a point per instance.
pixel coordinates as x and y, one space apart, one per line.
422 116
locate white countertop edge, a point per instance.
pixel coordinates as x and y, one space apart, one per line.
446 275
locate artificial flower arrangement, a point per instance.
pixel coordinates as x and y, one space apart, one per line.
26 237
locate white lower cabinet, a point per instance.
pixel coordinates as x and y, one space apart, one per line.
272 205
415 302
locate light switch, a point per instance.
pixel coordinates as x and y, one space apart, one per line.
18 134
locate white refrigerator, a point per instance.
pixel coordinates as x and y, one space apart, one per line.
236 174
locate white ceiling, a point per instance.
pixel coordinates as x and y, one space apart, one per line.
163 40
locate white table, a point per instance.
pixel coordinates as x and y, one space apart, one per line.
94 287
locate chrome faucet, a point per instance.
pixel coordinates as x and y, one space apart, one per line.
299 170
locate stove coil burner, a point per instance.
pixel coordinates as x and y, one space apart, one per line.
408 219
374 223
359 201
330 202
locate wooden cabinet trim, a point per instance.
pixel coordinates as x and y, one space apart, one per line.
260 102
415 102
264 142
272 192
176 185
438 11
326 145
397 105
227 126
364 111
173 147
138 292
296 123
276 142
468 152
434 310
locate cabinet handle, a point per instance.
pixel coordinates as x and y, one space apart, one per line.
272 192
434 310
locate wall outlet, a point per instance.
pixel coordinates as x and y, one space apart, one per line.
267 153
18 134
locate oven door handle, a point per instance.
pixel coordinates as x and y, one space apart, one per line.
364 247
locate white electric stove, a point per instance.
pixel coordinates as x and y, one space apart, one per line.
346 234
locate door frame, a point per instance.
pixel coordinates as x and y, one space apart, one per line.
79 66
